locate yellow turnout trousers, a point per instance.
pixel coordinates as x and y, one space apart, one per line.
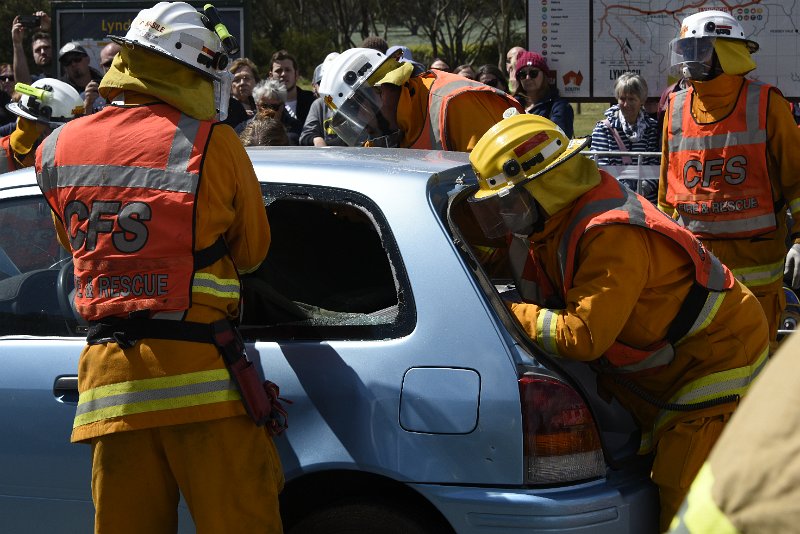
680 454
228 471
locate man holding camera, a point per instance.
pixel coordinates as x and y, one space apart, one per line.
41 46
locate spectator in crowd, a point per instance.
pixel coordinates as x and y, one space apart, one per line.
266 129
538 95
75 62
511 65
107 54
378 101
7 80
403 55
7 83
316 130
492 76
440 64
627 128
41 46
682 83
298 100
245 77
92 95
376 43
271 94
466 71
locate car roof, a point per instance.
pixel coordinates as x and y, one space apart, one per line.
297 164
353 163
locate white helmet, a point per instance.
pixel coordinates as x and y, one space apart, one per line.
178 31
48 101
348 88
692 50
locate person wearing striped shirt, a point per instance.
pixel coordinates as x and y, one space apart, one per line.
627 128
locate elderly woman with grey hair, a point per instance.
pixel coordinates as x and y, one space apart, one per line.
627 128
271 94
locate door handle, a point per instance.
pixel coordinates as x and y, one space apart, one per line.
65 389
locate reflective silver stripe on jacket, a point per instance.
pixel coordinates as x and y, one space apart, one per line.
436 109
174 178
752 135
697 226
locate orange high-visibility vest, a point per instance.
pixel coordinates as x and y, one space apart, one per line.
7 163
128 206
612 203
445 87
717 176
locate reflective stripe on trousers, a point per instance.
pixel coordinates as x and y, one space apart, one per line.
153 394
714 386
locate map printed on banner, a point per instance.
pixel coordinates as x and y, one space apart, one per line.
589 43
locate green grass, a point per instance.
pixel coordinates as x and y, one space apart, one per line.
588 116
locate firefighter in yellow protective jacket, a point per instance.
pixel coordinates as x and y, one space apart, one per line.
730 163
160 207
673 336
46 104
750 483
378 101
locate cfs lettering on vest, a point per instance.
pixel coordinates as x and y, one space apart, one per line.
103 217
732 170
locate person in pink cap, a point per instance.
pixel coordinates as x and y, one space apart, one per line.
537 93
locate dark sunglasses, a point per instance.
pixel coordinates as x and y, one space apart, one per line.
528 73
491 82
107 64
273 107
69 60
7 78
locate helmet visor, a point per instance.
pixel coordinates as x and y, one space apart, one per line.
691 50
511 210
357 120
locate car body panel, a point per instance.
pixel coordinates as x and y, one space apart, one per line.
436 409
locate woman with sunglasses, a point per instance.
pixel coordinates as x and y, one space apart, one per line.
492 76
538 95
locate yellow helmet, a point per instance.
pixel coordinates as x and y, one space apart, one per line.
518 149
511 154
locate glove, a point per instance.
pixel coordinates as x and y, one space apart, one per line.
791 272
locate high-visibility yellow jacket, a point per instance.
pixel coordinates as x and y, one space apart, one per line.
164 382
441 110
628 286
750 483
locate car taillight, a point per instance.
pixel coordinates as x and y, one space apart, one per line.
561 443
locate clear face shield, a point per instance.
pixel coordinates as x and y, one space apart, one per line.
692 57
222 94
360 118
512 210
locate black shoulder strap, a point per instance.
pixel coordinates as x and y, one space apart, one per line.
691 308
209 255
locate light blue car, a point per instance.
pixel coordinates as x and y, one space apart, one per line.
418 404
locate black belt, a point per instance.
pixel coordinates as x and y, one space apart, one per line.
126 332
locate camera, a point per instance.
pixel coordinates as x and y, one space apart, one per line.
30 21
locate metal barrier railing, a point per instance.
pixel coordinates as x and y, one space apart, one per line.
638 171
